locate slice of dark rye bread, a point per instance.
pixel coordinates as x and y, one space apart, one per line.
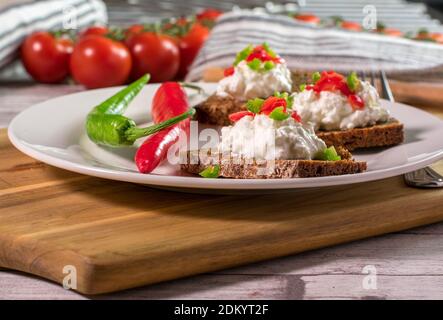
379 135
236 168
215 110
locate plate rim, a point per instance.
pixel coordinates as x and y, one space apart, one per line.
190 182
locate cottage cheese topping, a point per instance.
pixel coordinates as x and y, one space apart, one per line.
247 84
332 111
263 138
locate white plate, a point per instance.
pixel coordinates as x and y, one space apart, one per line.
53 132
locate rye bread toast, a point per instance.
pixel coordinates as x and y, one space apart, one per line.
215 110
236 168
379 135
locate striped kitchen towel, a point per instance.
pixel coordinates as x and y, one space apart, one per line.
20 18
309 47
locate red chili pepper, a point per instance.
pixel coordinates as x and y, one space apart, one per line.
229 71
271 103
234 117
169 101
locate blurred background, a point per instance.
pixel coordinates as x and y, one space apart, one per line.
409 34
404 15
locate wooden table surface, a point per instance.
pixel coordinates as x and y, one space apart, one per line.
408 264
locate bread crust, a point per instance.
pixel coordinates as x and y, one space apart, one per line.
236 168
380 135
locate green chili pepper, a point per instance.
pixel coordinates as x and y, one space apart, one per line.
105 124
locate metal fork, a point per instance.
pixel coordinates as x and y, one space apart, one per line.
422 178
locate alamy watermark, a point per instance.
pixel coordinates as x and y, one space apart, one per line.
70 280
369 281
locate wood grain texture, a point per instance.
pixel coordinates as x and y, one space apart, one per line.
408 262
120 235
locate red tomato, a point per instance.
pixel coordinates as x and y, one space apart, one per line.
100 62
392 32
209 14
131 32
155 54
94 31
45 57
308 18
437 37
350 25
190 45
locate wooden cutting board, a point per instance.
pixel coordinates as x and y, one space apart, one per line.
120 235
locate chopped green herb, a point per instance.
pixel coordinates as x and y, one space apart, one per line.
352 81
269 50
255 64
211 172
302 87
269 65
316 76
279 114
242 55
329 154
288 98
255 105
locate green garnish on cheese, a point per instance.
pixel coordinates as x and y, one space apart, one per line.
328 154
254 105
352 81
211 172
242 55
315 77
288 98
279 114
255 64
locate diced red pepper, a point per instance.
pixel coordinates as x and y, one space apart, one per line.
229 71
296 116
260 53
271 103
356 102
344 88
234 117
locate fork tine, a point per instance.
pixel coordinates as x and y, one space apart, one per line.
373 79
385 89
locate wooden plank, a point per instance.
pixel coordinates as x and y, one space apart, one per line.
120 235
415 257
